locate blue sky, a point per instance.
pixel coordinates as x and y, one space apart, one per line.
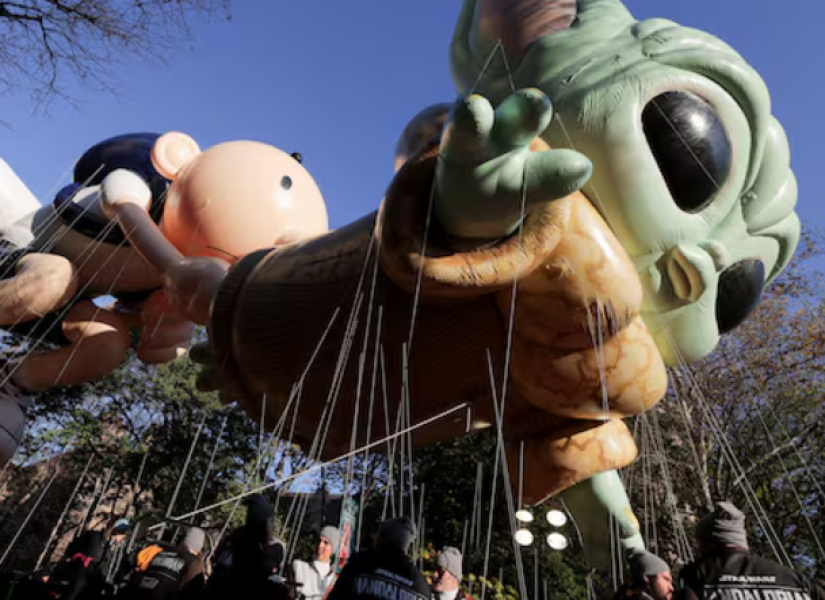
337 81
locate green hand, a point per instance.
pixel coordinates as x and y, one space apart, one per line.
486 170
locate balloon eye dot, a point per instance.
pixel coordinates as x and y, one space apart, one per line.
286 182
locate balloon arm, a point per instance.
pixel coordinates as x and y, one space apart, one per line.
145 236
593 503
126 197
40 284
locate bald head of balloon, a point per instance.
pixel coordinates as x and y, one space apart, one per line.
643 100
236 197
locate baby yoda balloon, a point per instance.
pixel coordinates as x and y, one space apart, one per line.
690 169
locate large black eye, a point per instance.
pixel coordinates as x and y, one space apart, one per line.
740 286
691 146
286 182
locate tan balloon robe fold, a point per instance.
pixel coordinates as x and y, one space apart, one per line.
581 356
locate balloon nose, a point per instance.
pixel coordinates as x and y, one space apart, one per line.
740 287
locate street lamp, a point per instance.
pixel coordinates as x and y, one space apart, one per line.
557 541
524 537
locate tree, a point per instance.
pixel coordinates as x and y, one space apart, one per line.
139 425
48 43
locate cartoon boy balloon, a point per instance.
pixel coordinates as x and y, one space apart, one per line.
59 257
224 203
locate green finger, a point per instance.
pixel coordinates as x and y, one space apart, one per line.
555 174
522 117
467 129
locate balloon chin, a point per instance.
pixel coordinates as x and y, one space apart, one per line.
677 342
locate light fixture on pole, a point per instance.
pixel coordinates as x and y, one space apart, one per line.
557 541
524 516
524 537
556 518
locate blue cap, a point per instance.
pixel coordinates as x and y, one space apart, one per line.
121 524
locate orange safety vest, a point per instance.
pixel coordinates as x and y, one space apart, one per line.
145 556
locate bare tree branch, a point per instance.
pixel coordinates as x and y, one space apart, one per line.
48 44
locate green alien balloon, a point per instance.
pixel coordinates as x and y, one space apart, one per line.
690 169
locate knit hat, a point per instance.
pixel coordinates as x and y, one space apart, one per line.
450 560
194 539
645 564
399 532
725 525
258 509
334 537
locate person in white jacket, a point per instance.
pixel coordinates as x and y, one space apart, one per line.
316 577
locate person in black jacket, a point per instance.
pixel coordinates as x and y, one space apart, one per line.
383 571
77 576
726 570
172 574
240 568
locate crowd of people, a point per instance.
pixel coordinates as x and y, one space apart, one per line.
251 564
